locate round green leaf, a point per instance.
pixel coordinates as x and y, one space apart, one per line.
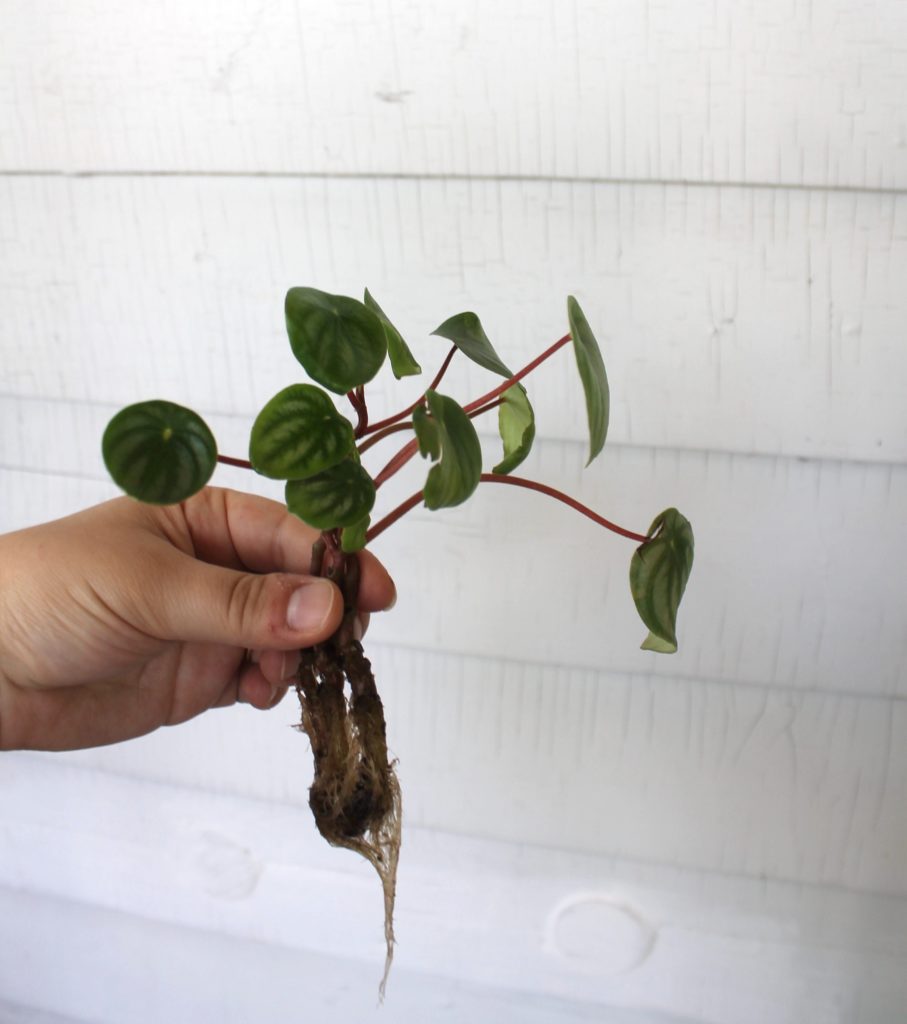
340 342
159 452
659 571
466 332
340 496
403 362
450 431
516 423
299 433
591 368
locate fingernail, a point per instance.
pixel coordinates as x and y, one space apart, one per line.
393 601
358 630
309 606
289 665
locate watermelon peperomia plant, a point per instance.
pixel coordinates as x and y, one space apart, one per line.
163 453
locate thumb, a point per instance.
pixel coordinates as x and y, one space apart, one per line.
210 604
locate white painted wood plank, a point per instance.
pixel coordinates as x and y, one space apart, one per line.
147 972
732 320
534 922
793 584
713 776
13 1014
774 92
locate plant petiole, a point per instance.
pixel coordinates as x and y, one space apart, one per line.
410 409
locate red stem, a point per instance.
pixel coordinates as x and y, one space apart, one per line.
408 451
228 461
357 401
532 485
408 411
392 517
397 462
486 408
514 481
382 434
501 388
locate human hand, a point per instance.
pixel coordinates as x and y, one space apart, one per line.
126 617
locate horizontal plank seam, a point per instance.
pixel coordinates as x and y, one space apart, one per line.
646 676
492 178
489 435
612 859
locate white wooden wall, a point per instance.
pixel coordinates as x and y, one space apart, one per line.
592 833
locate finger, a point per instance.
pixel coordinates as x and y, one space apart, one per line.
245 531
278 696
278 667
254 689
205 603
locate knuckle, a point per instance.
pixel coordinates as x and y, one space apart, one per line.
246 606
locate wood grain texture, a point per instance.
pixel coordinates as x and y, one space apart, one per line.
717 777
491 916
730 320
795 583
777 92
772 730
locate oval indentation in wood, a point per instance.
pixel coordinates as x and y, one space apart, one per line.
600 933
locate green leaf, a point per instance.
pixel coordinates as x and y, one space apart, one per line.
299 433
428 433
402 361
659 571
516 422
159 452
340 496
352 538
592 374
340 342
467 333
453 479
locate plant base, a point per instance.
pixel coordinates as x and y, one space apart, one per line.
355 796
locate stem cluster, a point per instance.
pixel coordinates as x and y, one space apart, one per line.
370 434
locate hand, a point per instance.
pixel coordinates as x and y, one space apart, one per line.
126 617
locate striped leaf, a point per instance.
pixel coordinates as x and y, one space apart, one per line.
299 433
159 452
340 496
340 342
659 571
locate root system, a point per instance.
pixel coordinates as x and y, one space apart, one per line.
355 795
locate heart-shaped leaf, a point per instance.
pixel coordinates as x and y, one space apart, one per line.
340 496
299 433
159 452
467 333
659 571
340 342
402 361
516 422
592 374
449 431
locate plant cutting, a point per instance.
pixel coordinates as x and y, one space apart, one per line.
163 453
